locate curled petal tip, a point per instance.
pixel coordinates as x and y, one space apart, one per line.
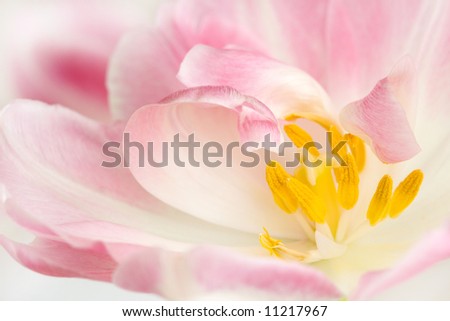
381 117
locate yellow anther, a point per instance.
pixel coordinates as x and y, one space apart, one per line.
292 117
276 175
269 243
285 200
276 178
337 135
310 203
379 205
318 197
290 194
406 192
300 137
358 150
336 139
320 120
277 248
348 182
325 123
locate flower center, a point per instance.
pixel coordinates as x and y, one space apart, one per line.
319 197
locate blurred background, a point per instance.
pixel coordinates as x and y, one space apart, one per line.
22 24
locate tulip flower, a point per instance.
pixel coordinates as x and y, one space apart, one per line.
371 74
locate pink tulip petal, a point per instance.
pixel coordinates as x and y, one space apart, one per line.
191 274
209 270
219 24
144 76
218 270
201 271
60 53
302 31
58 259
349 45
433 248
381 119
144 271
282 88
51 168
229 194
364 41
431 284
255 119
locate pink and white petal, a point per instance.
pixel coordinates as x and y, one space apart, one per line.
282 88
207 270
234 23
22 284
433 248
431 284
417 28
59 259
59 52
51 168
364 41
144 76
255 120
227 194
434 81
380 117
302 34
175 275
348 45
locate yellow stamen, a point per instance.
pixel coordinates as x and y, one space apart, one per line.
289 193
300 137
406 192
276 175
326 190
269 243
327 124
276 178
358 150
348 182
379 205
277 248
336 139
318 197
285 200
301 173
310 203
322 121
